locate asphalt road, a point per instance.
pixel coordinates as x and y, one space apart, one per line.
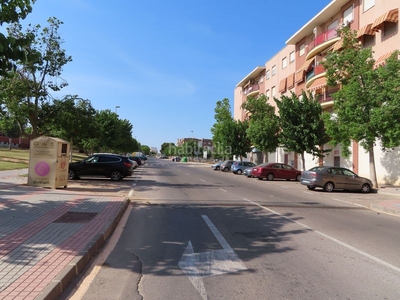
195 233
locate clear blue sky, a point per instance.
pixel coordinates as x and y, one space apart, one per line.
167 62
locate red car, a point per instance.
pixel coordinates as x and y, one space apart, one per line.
275 170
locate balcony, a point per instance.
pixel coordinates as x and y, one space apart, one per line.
321 42
326 99
252 90
317 72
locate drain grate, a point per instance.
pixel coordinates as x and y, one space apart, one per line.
75 217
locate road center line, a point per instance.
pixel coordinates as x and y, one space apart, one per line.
202 180
375 259
223 190
347 202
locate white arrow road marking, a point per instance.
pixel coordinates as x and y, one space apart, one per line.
209 263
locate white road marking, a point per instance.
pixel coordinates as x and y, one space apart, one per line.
375 259
223 190
202 180
347 202
209 263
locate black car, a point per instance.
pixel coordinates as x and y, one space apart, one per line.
137 159
109 165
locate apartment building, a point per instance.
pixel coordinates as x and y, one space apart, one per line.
376 23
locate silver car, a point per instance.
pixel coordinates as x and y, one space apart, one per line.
334 178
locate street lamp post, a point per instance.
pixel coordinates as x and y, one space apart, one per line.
116 108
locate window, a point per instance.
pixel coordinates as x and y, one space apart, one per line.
348 15
267 94
369 40
261 79
291 57
302 49
273 70
273 92
284 63
368 4
389 28
268 74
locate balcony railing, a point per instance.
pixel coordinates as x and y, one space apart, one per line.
251 88
319 69
322 38
327 96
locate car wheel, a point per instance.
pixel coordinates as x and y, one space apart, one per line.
116 176
311 187
270 176
72 174
365 188
298 177
226 169
239 172
328 187
217 168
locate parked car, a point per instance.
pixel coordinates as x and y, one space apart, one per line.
247 172
226 165
331 178
275 170
102 164
135 164
136 159
176 159
217 166
238 167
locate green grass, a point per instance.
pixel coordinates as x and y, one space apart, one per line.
19 158
19 154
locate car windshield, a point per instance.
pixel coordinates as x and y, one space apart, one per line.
316 169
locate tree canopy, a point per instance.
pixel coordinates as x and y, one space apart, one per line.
302 127
366 108
263 130
14 48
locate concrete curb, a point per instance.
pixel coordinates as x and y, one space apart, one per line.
390 210
60 283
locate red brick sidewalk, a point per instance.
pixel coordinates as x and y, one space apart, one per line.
48 236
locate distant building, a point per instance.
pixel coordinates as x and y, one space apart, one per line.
153 149
206 144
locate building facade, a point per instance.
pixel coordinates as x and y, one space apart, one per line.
376 23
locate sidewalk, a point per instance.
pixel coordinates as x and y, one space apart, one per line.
48 236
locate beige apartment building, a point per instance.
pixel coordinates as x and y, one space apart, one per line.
297 67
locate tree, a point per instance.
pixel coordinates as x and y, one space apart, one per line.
302 127
168 149
239 141
366 108
71 118
224 129
25 90
145 149
263 130
12 48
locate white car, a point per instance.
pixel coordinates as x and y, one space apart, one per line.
135 164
